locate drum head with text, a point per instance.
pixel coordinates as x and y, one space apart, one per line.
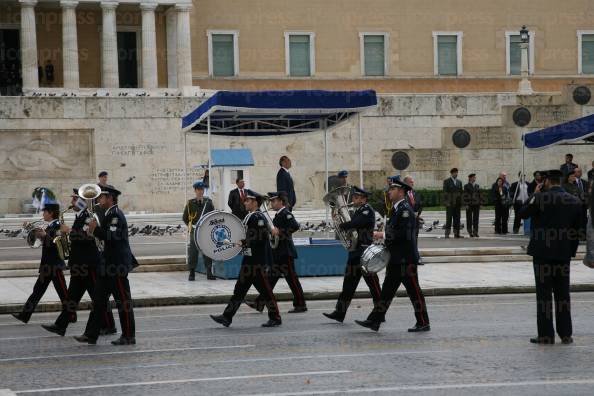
219 234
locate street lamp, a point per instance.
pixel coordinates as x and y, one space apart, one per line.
525 87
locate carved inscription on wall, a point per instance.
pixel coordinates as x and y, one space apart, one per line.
426 159
54 154
167 180
482 138
137 150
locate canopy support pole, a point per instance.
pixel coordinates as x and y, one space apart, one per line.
210 177
325 126
523 154
186 188
360 151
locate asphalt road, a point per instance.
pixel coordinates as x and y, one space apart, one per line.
478 345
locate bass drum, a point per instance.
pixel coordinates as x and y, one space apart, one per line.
218 235
374 259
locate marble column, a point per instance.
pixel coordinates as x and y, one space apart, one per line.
70 44
171 27
109 56
29 45
184 56
149 46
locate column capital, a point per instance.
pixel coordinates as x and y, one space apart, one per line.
148 6
28 3
109 5
183 7
68 3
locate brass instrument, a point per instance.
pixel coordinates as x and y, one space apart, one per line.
337 201
90 192
274 239
62 242
29 233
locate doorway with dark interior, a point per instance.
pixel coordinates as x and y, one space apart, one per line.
128 59
10 63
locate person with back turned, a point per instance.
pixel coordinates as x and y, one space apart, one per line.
555 217
452 189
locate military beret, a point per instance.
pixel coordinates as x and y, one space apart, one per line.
343 173
393 178
360 191
199 184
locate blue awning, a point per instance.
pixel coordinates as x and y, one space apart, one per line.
568 132
260 113
231 157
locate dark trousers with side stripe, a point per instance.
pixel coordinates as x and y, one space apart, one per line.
552 279
82 279
395 275
47 275
286 269
352 276
252 274
119 287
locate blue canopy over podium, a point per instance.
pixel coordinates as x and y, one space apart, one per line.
568 132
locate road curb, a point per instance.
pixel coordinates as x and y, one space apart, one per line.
287 296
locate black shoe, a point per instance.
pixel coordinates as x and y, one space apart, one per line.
111 331
52 328
85 340
458 236
221 319
476 235
272 323
542 340
211 277
567 340
192 276
124 341
255 306
73 318
447 236
369 324
419 327
298 310
20 317
334 316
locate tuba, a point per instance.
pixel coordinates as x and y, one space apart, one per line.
336 200
264 209
90 192
61 241
29 230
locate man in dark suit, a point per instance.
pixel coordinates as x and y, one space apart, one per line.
472 200
591 174
519 195
402 267
236 199
554 239
257 256
452 189
51 265
284 254
581 189
284 181
362 221
536 181
568 167
83 262
117 262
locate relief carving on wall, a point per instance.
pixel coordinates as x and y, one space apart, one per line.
34 154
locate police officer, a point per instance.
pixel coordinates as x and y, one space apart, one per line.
257 256
284 254
554 237
83 262
193 212
402 267
117 262
51 266
363 222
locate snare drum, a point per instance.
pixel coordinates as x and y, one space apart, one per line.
374 259
218 235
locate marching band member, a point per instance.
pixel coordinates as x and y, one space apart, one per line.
402 268
51 265
193 212
257 257
117 262
362 221
83 262
284 254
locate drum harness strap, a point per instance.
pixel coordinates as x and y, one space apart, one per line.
191 216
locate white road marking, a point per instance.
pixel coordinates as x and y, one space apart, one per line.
434 387
130 352
185 381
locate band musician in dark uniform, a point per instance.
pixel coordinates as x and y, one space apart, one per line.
363 222
284 254
51 266
117 262
257 256
402 268
554 237
83 262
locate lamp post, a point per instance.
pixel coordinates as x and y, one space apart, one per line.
525 87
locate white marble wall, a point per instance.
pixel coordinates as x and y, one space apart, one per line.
139 142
